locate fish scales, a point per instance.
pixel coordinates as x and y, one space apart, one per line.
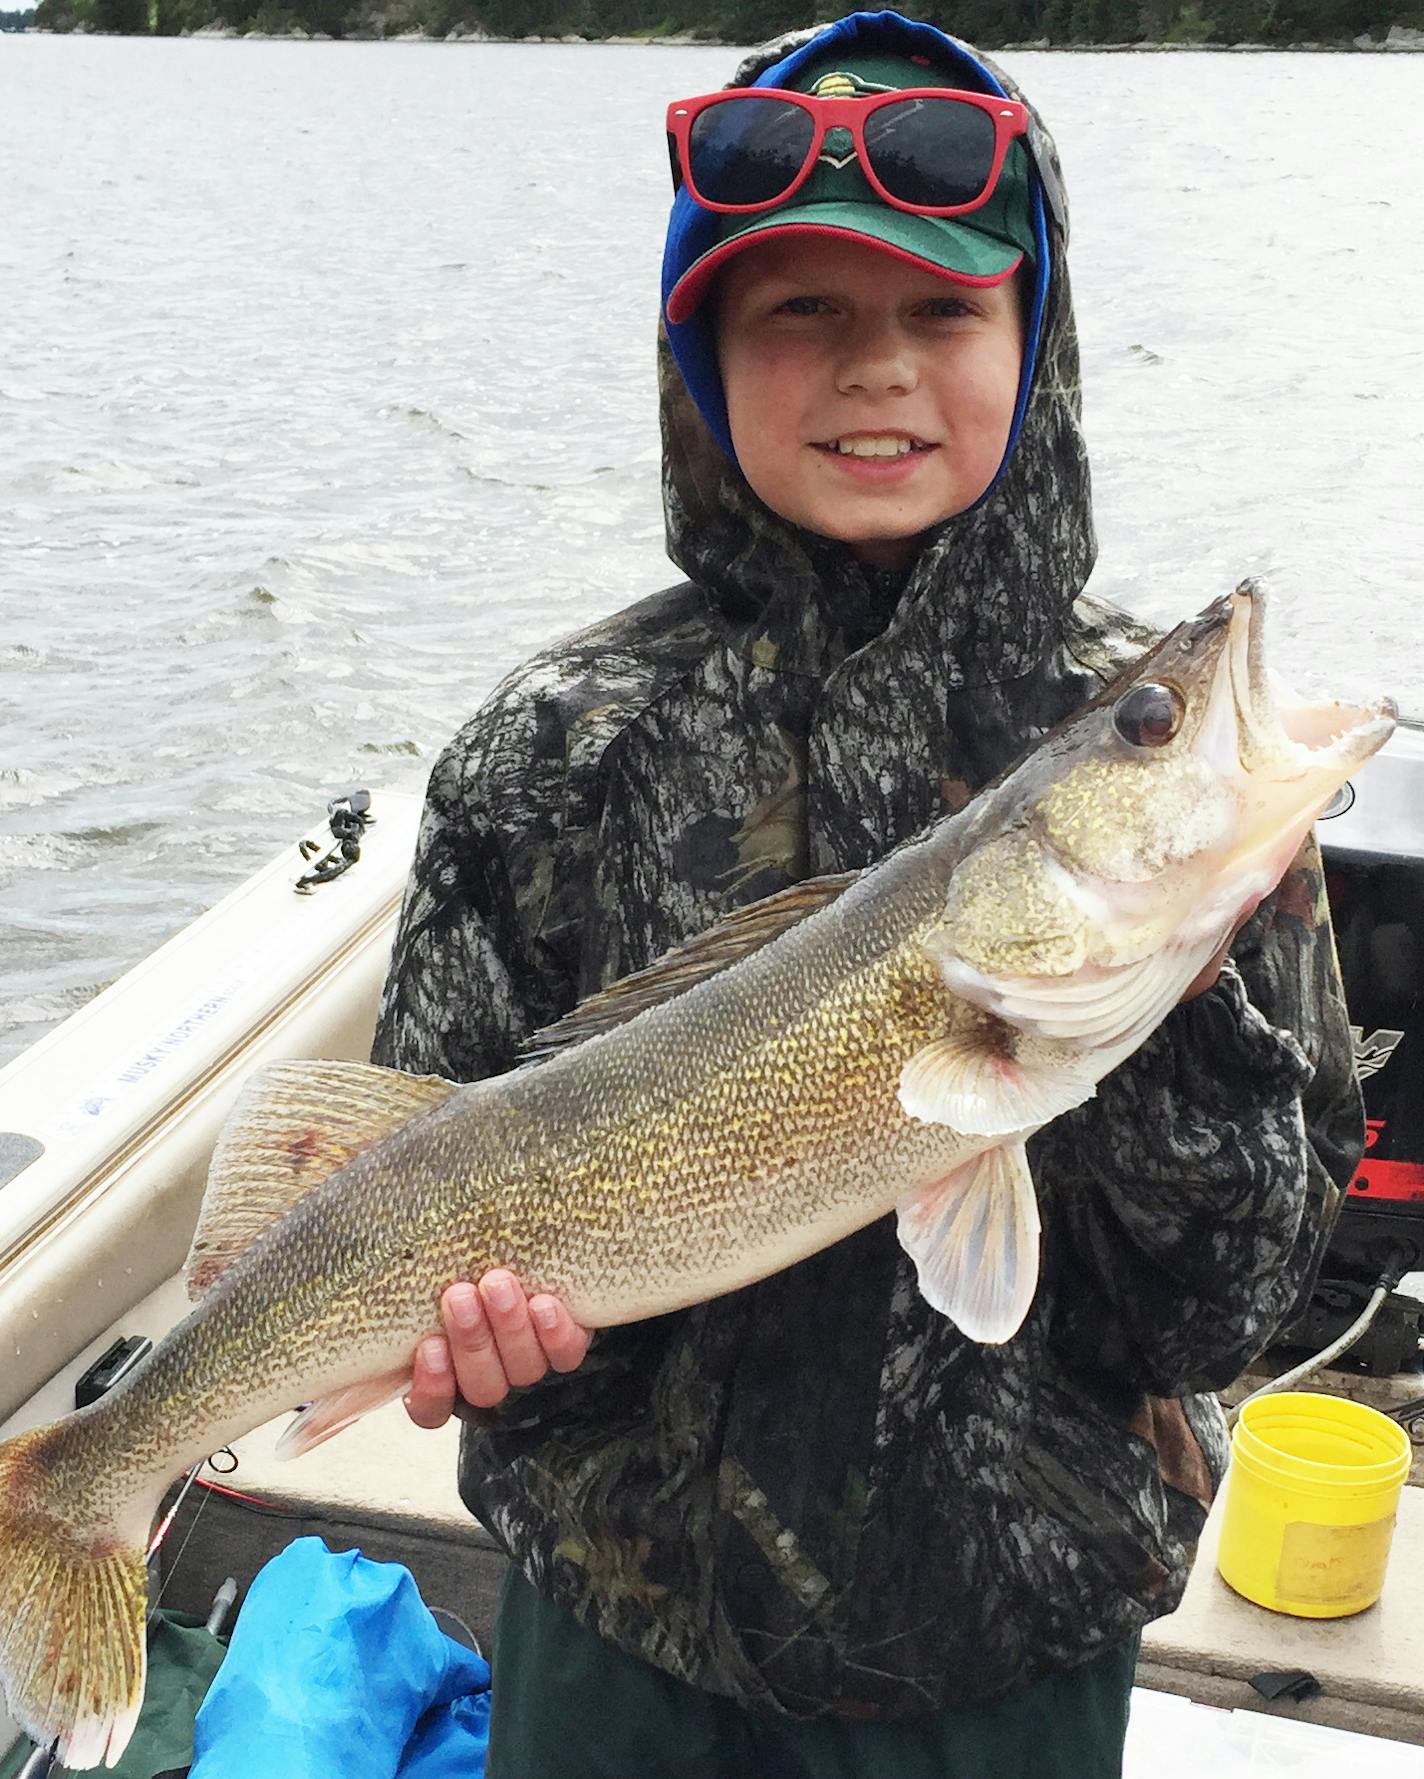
743 1108
620 1175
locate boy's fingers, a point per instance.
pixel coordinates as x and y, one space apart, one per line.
497 1339
565 1343
431 1398
479 1367
507 1311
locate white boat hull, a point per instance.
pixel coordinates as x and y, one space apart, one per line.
108 1122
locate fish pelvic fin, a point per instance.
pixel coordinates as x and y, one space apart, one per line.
72 1607
725 942
293 1125
973 1236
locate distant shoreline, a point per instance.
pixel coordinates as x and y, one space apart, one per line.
1400 40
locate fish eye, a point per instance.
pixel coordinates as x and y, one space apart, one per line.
1150 715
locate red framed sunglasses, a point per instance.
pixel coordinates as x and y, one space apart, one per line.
928 150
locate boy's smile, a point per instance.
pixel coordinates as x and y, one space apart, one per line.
868 399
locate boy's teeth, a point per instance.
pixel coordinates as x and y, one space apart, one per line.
886 447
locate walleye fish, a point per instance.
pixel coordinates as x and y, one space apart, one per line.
852 1046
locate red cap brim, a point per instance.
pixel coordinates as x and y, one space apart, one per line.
688 293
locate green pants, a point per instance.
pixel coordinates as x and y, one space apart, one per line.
567 1705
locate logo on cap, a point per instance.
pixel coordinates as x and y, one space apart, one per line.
842 86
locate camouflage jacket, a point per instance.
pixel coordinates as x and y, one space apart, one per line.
814 1495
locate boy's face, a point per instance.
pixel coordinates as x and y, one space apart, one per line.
824 345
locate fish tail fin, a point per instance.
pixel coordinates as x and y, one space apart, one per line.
72 1604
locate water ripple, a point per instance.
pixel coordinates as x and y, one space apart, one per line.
325 404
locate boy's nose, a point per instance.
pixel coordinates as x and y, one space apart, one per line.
876 361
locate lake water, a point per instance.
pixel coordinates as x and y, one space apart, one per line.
326 396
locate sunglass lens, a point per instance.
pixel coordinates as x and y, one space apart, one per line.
748 150
931 152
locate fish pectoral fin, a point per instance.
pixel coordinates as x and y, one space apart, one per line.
293 1125
1100 1008
331 1414
723 944
990 1080
973 1237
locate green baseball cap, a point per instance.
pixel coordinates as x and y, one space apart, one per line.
984 246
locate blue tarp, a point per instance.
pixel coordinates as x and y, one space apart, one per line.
337 1666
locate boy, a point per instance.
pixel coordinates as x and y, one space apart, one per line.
808 1528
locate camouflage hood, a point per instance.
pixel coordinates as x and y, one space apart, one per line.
990 593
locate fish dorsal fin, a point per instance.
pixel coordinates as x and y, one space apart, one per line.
973 1237
293 1125
723 944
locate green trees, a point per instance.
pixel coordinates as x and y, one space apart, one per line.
753 21
519 18
992 23
1248 21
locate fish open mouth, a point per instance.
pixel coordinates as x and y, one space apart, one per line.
1284 757
1290 738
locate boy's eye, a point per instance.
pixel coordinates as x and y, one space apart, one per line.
946 308
800 305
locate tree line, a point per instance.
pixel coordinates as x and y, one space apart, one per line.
992 23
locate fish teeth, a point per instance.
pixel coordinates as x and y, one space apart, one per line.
893 446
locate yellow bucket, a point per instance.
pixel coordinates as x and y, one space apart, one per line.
1310 1503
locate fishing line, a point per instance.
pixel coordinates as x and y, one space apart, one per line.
252 1501
162 1533
207 1489
172 1513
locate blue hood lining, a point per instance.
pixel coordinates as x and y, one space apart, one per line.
692 231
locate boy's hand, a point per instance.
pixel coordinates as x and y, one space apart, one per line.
495 1340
